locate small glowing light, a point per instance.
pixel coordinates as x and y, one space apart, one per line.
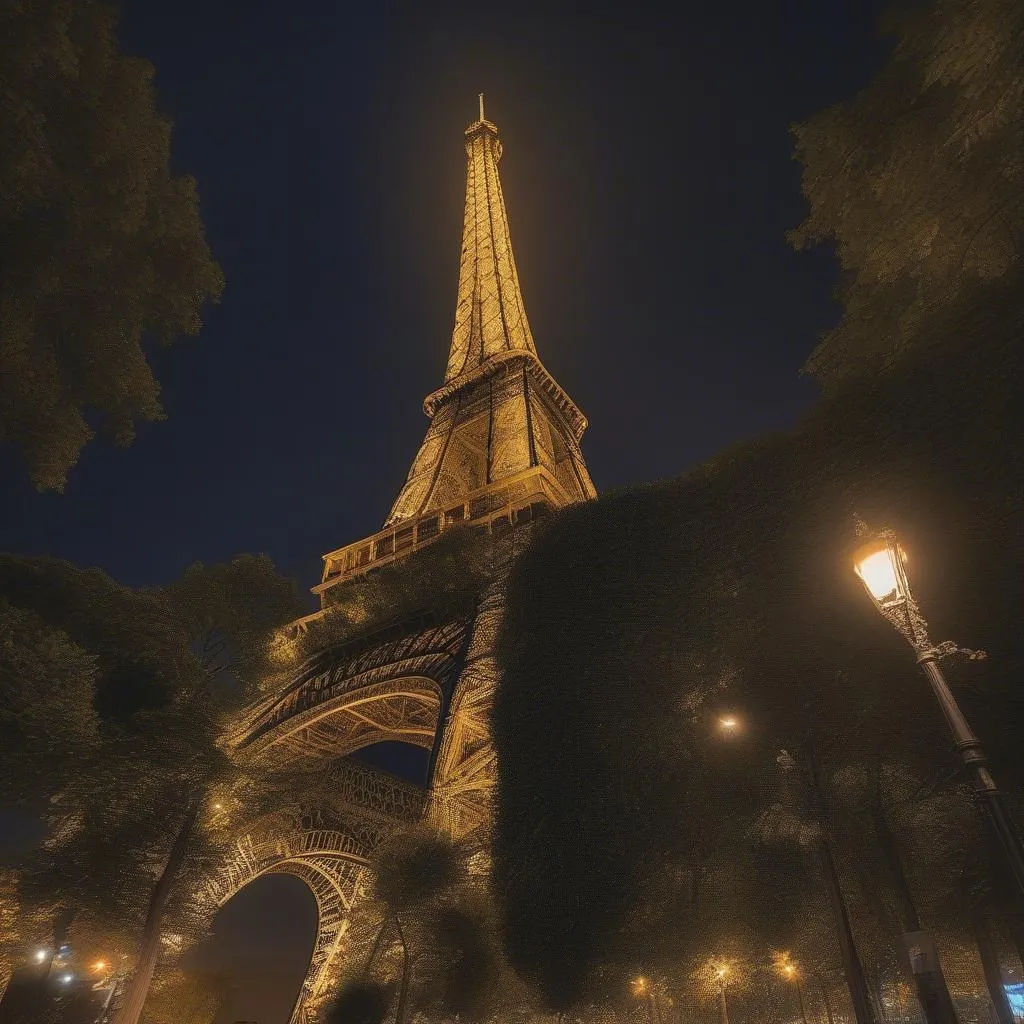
41 955
728 723
878 574
218 807
99 965
789 969
722 971
639 986
67 979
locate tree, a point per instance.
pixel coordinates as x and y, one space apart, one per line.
412 872
628 615
103 246
360 1002
47 719
918 181
137 806
229 611
184 998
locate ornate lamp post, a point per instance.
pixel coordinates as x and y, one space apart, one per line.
880 562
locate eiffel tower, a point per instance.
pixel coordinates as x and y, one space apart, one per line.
502 447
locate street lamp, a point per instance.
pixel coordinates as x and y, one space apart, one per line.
642 990
729 724
788 970
881 562
722 980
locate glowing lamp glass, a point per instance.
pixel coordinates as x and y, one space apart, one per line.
67 979
880 568
40 955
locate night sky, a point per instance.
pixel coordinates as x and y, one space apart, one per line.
649 185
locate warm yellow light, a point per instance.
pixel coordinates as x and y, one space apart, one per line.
878 574
728 723
722 971
639 986
784 965
99 965
40 955
218 807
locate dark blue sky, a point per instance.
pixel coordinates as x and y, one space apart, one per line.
649 182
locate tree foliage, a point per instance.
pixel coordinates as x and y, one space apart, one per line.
47 718
635 621
130 812
102 245
918 181
180 997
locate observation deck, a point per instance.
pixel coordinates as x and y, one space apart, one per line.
494 508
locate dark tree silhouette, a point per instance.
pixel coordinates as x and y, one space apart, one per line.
102 245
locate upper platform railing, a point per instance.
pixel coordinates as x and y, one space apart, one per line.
492 508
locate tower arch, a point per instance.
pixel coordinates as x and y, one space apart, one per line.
329 861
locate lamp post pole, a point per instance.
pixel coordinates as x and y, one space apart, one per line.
800 997
973 757
881 565
723 1006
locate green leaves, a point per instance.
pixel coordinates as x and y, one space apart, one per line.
918 181
102 246
47 720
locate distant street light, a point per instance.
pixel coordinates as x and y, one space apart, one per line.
41 955
728 724
880 562
722 981
642 990
788 970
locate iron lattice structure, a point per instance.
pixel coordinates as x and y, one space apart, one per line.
501 448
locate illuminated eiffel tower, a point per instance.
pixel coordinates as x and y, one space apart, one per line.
502 447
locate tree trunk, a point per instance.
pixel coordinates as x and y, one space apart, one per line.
137 989
403 991
825 999
985 941
852 967
876 991
376 948
800 999
930 983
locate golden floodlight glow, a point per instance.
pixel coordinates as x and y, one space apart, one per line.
99 965
639 986
728 723
40 955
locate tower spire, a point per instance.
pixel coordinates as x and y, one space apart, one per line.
499 414
490 317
